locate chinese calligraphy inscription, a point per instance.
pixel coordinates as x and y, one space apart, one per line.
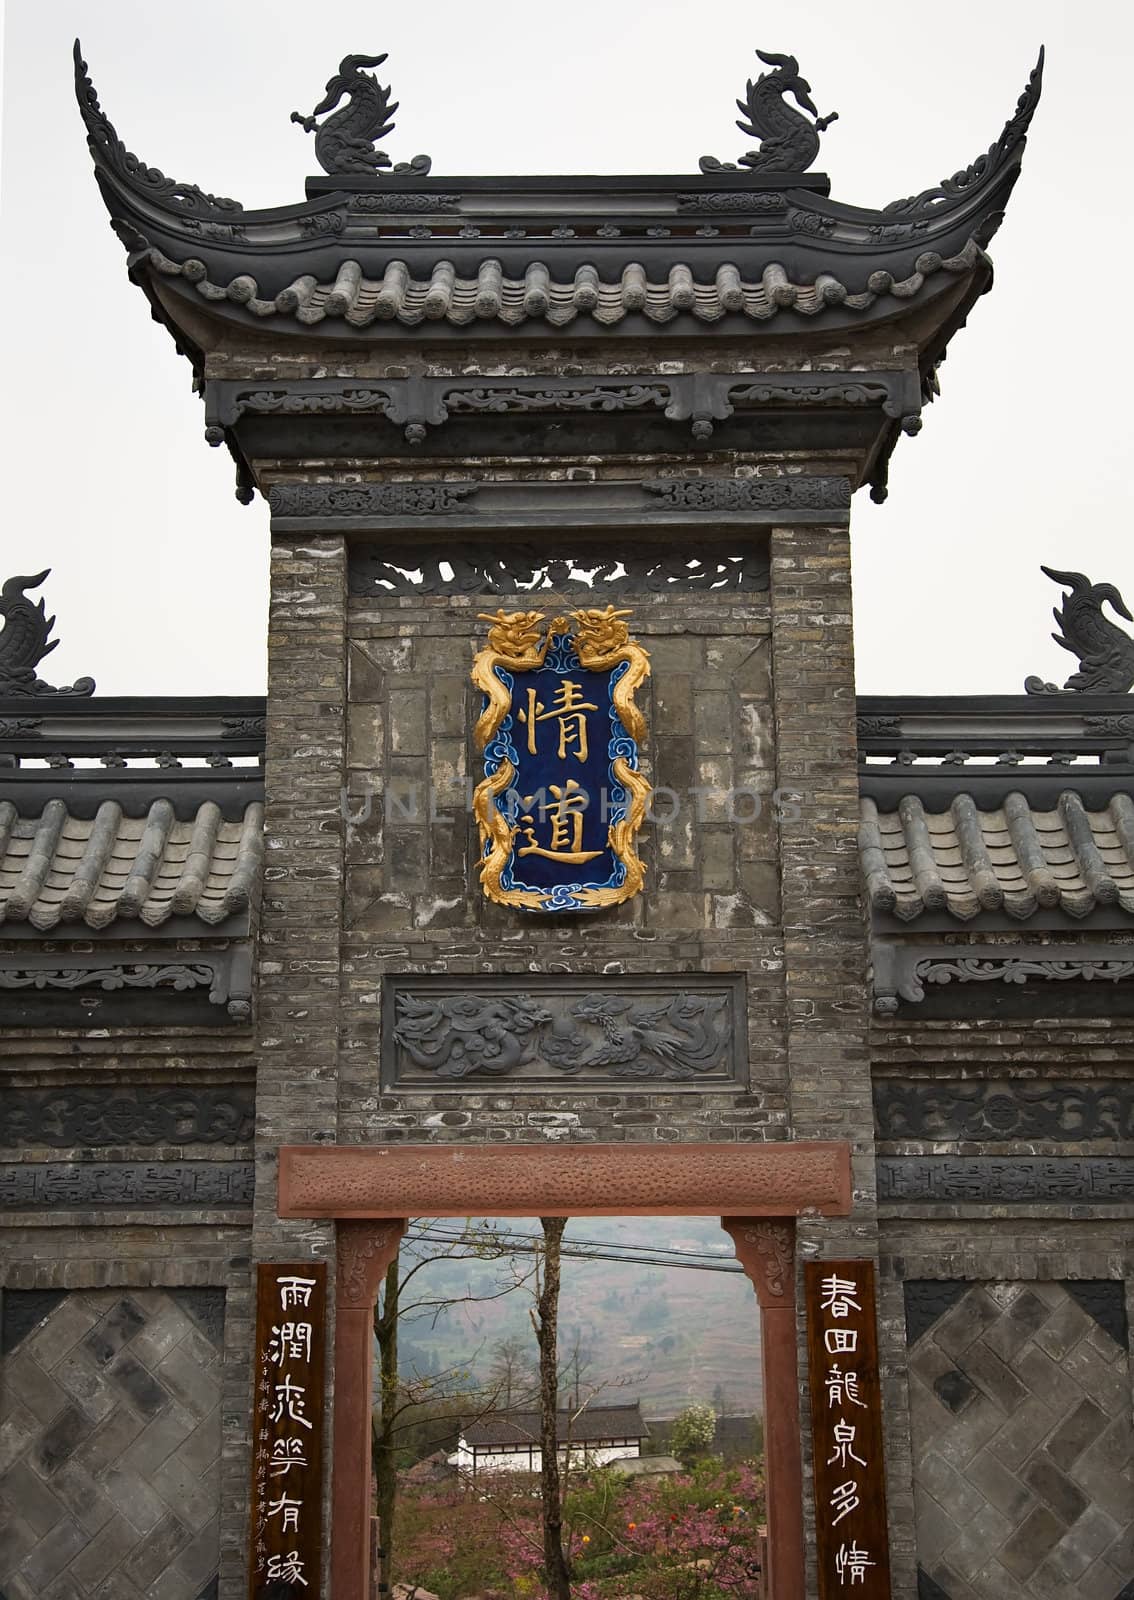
562 797
288 1431
846 1424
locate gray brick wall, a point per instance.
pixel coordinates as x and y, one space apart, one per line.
1023 1444
110 1441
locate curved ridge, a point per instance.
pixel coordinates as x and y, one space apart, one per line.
108 150
981 172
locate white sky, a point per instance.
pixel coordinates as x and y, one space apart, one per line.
160 576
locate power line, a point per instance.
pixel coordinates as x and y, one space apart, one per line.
470 1235
525 1244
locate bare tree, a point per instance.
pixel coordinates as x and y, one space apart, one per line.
396 1396
511 1371
545 1321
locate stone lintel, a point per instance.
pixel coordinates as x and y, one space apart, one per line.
807 1178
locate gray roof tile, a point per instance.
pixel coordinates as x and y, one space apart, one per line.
490 296
1013 860
57 869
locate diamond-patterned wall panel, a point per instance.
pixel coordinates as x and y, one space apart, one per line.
1023 1448
110 1449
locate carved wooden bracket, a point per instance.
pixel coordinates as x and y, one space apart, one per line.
365 1250
765 1248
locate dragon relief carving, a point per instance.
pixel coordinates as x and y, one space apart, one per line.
25 640
789 140
1105 651
675 1036
345 141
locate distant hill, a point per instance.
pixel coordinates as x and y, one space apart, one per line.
673 1334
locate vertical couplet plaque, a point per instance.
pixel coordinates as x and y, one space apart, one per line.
287 1436
846 1430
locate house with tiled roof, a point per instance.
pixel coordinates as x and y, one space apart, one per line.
509 1441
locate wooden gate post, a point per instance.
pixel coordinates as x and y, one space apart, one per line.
765 1248
365 1250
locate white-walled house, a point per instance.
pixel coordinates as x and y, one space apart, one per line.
508 1441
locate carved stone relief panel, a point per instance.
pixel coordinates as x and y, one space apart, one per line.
1001 1109
553 1031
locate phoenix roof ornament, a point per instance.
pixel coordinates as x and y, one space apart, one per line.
1105 651
789 141
345 141
26 638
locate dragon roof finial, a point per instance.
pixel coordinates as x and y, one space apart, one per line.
26 638
789 141
345 141
1105 651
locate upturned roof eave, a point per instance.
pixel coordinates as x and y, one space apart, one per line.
563 223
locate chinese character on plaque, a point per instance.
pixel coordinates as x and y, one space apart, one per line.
562 798
285 1555
852 1550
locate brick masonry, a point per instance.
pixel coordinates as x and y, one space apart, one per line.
110 1440
752 870
1023 1442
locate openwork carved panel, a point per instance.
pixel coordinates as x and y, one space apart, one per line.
628 568
579 1180
444 1031
122 1115
1001 1109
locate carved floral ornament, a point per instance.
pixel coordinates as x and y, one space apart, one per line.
562 789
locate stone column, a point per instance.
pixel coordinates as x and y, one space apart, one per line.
765 1248
365 1250
298 982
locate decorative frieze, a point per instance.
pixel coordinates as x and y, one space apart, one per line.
224 974
742 494
1006 1180
96 1185
369 499
550 1031
524 569
110 975
417 403
1002 1109
70 1117
907 972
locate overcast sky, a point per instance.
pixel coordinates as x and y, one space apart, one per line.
160 576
